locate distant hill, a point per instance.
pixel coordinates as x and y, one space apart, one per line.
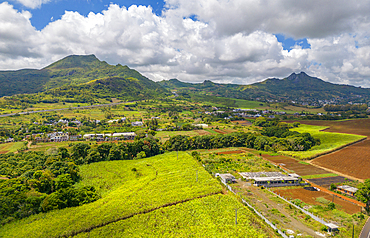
300 88
76 77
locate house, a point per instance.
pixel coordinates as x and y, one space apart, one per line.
226 178
347 190
75 137
201 125
97 137
58 136
137 123
123 135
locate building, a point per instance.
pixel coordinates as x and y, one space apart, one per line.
226 178
272 179
347 190
123 135
201 125
58 136
137 123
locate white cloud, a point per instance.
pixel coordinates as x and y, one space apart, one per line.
32 3
232 41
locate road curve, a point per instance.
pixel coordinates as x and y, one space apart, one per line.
61 109
365 233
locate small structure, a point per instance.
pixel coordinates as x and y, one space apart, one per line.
226 178
347 190
137 123
201 125
332 227
272 179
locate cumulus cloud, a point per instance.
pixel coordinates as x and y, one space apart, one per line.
32 3
230 41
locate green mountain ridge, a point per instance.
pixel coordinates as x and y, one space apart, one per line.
78 78
300 88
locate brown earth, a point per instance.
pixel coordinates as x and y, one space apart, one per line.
309 197
220 131
294 165
352 160
231 152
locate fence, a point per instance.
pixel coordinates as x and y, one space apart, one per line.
258 213
303 210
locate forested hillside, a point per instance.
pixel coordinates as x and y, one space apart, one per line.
69 73
300 88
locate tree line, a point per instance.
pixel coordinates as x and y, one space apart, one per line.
40 182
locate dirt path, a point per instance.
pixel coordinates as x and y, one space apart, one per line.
293 224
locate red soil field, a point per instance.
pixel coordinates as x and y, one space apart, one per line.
292 164
231 152
352 160
219 131
309 197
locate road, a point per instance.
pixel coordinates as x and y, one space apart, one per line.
61 109
365 233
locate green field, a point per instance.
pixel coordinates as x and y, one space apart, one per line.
330 141
10 147
165 135
212 216
313 176
127 188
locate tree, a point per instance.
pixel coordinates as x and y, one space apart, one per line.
363 193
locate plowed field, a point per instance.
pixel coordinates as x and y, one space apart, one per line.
352 160
309 197
294 165
325 182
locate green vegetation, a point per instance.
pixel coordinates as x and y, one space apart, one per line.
212 216
313 176
330 141
234 163
145 185
11 147
299 88
363 193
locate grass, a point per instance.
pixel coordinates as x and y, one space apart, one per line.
165 135
313 176
127 188
212 216
10 147
44 146
330 141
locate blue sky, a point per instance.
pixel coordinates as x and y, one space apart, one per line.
233 41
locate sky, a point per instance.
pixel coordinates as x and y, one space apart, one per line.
226 41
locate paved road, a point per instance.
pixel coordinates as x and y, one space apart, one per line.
61 109
365 233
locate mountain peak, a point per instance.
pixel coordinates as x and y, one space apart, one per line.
75 61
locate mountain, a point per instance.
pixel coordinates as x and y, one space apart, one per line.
72 70
300 88
78 78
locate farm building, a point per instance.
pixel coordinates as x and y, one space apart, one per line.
136 123
347 190
272 179
123 135
226 178
332 227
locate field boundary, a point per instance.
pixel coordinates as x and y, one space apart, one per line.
333 150
257 212
360 204
74 233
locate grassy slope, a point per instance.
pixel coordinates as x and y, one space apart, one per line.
10 147
159 180
329 141
212 216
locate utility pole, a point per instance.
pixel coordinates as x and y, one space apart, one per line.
177 154
353 230
197 175
236 216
